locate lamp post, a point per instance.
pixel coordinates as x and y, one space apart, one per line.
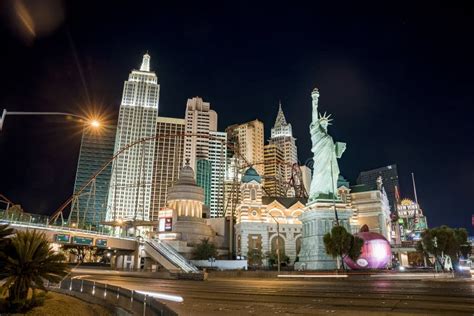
89 121
278 241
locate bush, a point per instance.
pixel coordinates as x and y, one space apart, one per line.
204 250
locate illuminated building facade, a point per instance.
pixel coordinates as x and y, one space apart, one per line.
203 178
282 138
168 160
275 177
371 207
97 148
389 176
218 159
249 140
200 120
256 230
132 171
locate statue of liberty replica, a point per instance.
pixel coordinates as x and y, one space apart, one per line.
325 209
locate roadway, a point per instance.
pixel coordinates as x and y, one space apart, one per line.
362 295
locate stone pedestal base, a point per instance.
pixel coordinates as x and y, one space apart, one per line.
318 219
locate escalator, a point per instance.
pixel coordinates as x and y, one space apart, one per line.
168 257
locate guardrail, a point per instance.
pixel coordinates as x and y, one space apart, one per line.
133 302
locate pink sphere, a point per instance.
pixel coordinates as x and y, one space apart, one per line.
376 252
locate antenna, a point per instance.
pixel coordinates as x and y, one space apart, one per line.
414 187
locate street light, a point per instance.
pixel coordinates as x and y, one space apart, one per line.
92 122
278 241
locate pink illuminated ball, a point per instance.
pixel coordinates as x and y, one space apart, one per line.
376 252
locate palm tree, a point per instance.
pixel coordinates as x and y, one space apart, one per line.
5 232
29 261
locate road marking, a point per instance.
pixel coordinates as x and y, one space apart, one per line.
80 276
312 275
162 296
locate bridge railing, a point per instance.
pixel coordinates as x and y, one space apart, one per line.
42 221
136 302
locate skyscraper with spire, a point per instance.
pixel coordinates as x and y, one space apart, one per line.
132 171
282 139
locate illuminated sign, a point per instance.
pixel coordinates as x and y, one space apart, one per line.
165 220
86 241
165 213
168 224
101 242
408 208
63 238
168 236
165 224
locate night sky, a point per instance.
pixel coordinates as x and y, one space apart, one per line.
397 78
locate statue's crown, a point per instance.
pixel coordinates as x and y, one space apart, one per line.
324 117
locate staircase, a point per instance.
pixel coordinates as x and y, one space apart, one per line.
168 257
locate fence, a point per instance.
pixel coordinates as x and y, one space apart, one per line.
129 301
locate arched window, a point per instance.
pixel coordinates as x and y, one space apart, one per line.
298 245
281 244
253 194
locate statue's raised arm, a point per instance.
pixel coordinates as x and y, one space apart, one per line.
315 98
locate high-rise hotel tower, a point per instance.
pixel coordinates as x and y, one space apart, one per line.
282 138
132 171
168 160
200 119
207 152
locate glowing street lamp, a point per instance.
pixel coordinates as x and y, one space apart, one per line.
94 123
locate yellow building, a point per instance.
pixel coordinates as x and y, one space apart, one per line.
275 178
249 140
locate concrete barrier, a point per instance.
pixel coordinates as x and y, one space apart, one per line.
221 264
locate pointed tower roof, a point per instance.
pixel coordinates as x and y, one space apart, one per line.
280 119
145 63
186 188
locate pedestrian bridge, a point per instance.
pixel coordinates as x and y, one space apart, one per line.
159 251
80 237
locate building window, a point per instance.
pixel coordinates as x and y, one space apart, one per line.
253 194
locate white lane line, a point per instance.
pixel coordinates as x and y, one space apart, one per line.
168 297
312 275
80 276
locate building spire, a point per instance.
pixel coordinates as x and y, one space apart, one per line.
280 120
145 62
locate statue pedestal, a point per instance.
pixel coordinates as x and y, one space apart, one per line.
318 219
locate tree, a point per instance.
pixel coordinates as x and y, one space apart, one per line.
204 250
272 257
339 243
444 240
5 232
29 262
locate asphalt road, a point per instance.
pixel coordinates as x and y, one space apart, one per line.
349 296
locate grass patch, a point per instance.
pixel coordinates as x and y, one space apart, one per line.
63 305
56 304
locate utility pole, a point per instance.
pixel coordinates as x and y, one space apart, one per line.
415 211
334 185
